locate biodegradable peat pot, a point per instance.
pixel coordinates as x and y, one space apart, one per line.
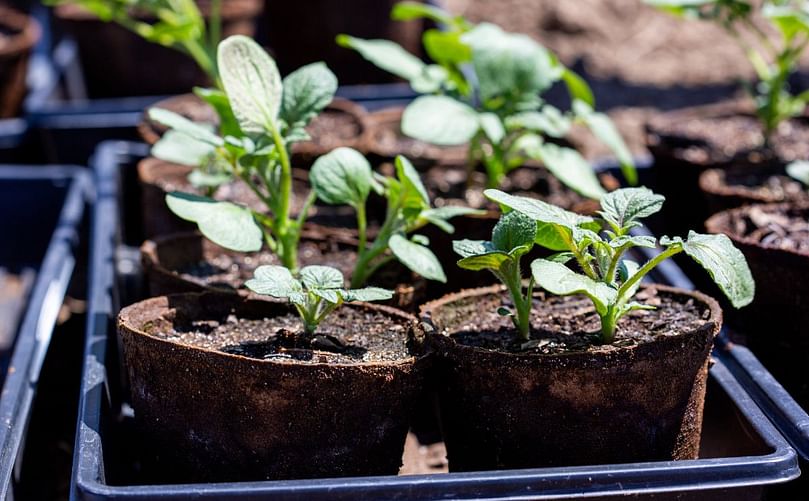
730 188
386 140
225 389
686 142
342 123
774 239
113 58
565 401
188 262
303 32
18 35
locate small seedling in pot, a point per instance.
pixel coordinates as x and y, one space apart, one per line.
179 25
268 116
597 247
772 61
318 292
506 122
344 176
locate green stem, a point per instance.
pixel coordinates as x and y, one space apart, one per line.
522 319
286 233
646 268
362 224
609 323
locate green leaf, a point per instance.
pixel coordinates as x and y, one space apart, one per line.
201 179
275 281
307 91
386 55
415 195
547 121
180 148
367 294
489 261
626 270
492 127
252 83
571 169
467 248
185 126
508 64
322 277
446 47
342 176
603 128
725 264
634 241
440 120
430 79
799 170
623 208
223 223
418 258
218 100
407 11
578 88
558 279
513 230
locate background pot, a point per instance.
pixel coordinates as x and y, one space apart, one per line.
297 37
116 62
686 142
512 410
20 33
165 256
207 415
729 188
774 324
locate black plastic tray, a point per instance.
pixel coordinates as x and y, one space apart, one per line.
42 209
743 450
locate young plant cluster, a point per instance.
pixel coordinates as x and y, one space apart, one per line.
597 248
505 122
773 62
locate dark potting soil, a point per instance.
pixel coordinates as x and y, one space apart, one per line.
779 227
777 187
348 335
570 324
231 270
738 137
447 185
333 128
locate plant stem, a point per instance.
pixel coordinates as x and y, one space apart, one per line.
609 324
286 233
646 268
522 321
362 224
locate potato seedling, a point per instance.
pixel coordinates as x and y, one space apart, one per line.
319 291
344 176
597 246
773 62
505 122
268 115
179 25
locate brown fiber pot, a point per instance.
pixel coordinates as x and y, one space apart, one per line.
340 112
730 188
682 155
163 256
510 410
774 324
209 416
117 62
19 33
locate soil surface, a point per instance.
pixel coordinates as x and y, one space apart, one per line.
448 185
775 227
333 128
737 137
759 186
230 270
349 335
570 324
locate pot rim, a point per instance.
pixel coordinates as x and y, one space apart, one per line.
712 182
28 32
403 318
426 309
718 224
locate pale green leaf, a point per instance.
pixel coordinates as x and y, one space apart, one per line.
307 91
223 223
342 176
558 279
623 208
418 258
180 148
252 83
547 121
415 192
569 167
321 277
386 55
799 170
367 294
513 230
602 128
275 281
440 120
725 264
492 127
176 122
